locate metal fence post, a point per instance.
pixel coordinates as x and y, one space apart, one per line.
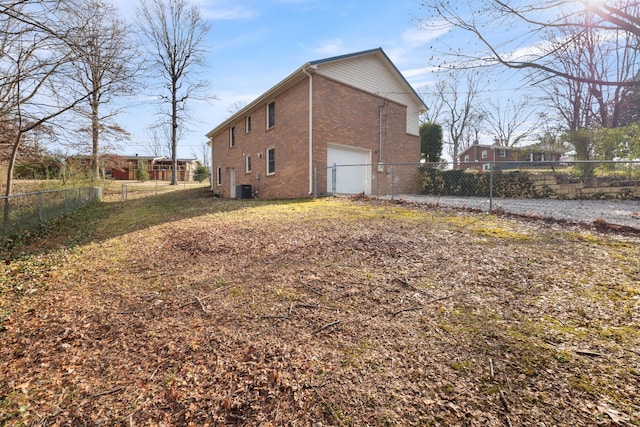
393 179
315 182
41 207
334 178
491 166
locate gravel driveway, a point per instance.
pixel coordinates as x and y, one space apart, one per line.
618 212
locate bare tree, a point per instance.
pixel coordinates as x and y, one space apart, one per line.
511 123
205 151
175 32
106 66
456 97
596 56
486 21
156 144
35 56
235 107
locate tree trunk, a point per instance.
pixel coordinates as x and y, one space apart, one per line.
174 133
95 137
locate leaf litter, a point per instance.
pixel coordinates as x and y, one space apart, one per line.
326 313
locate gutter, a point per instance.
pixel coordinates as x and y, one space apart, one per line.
304 70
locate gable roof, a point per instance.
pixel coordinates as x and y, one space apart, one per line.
311 68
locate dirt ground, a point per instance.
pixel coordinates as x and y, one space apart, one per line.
325 313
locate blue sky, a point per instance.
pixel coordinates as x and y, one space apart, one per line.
256 43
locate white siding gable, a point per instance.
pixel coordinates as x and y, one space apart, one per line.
372 74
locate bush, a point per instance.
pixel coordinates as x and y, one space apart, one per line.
201 173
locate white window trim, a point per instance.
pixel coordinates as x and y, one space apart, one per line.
486 166
267 114
247 124
466 158
232 136
485 154
266 157
247 163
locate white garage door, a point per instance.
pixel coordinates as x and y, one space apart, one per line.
353 170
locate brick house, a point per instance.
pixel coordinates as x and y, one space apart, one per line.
480 156
159 168
125 167
356 110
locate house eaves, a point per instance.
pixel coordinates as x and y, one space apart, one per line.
301 73
381 53
289 81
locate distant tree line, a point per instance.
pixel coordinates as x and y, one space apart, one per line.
581 77
63 63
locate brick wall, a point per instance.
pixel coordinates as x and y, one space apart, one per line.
341 115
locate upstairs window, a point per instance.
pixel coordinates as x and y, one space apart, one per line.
466 158
232 136
271 161
247 124
271 115
485 154
502 153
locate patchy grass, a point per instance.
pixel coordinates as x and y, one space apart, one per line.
182 309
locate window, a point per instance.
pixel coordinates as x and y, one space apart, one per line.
232 136
466 158
219 176
271 115
247 124
502 153
271 161
247 164
485 154
486 167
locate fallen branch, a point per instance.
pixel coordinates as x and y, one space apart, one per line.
309 288
204 310
503 399
630 350
327 326
588 353
307 305
108 392
330 407
405 282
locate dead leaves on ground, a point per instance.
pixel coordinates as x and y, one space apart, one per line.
330 313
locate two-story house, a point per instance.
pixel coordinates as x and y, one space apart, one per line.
480 157
125 167
354 111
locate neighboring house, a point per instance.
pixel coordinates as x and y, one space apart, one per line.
125 167
480 156
159 168
355 110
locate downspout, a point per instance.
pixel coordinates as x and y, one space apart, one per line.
380 164
304 70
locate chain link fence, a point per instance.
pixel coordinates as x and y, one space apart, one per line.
23 213
587 180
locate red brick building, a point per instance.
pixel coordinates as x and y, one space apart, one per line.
480 156
356 111
125 167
